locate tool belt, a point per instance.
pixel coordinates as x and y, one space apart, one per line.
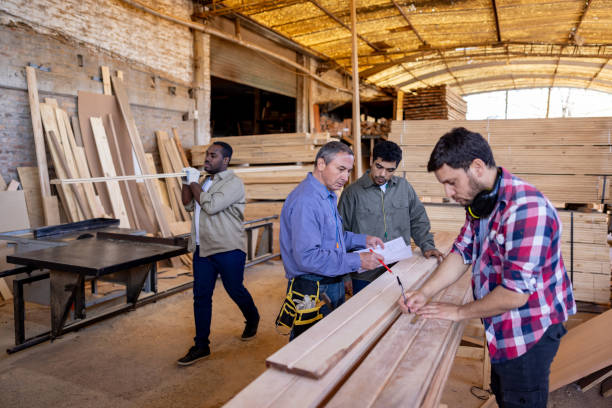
300 309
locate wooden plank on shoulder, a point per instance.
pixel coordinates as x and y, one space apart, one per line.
126 111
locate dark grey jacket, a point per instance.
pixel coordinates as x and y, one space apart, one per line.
398 212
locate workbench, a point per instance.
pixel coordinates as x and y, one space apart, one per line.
76 252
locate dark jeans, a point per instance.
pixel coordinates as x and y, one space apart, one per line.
230 265
523 381
359 284
335 291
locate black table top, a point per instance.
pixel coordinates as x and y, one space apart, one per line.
97 257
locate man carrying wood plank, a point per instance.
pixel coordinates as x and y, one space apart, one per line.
511 237
314 245
219 244
385 205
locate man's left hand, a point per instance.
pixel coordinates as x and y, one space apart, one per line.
439 310
373 242
434 252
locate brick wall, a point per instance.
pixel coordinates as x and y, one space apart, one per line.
113 26
153 105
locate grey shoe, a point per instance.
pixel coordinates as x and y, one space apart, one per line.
194 354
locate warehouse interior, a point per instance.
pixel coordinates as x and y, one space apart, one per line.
104 103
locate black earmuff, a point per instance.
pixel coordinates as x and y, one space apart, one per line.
484 203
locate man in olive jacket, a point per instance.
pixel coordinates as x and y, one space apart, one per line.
218 243
385 206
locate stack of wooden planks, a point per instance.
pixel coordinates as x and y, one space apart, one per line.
379 127
586 254
568 159
438 102
365 353
268 149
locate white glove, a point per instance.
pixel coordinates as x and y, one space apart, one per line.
184 178
193 175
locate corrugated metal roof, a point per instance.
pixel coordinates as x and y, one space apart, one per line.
471 45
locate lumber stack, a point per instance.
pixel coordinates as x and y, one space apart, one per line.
586 254
568 159
438 102
267 149
378 127
364 352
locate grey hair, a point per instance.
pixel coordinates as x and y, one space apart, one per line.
329 151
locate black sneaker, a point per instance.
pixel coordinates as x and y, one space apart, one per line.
250 330
194 354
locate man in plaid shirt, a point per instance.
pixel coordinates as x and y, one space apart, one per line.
512 239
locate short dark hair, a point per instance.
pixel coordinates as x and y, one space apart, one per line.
226 149
330 149
458 149
387 151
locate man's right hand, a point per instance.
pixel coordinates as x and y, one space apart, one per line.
369 260
414 301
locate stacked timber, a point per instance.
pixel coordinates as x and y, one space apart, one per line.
568 159
365 353
379 127
267 149
438 102
585 252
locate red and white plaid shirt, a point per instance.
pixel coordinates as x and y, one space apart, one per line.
521 251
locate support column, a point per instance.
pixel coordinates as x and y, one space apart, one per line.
356 113
311 65
301 100
201 87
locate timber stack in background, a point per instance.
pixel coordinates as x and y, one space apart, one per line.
568 159
279 163
438 102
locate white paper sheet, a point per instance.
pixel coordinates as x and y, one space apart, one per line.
394 251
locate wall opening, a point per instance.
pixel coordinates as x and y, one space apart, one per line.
238 110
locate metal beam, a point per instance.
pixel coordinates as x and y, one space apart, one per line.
337 20
495 64
597 73
574 31
356 112
495 14
403 13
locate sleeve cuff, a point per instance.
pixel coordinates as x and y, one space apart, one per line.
354 261
467 260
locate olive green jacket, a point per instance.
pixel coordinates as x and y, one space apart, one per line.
398 212
221 216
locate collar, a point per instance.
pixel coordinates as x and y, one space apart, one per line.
317 186
505 186
366 181
221 175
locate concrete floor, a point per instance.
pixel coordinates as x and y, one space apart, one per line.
130 360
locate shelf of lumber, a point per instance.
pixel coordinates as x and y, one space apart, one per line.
314 368
568 159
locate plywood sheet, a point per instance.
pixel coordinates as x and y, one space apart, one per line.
14 213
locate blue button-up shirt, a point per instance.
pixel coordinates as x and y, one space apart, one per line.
312 239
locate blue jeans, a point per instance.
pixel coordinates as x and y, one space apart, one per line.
230 265
523 381
358 285
335 292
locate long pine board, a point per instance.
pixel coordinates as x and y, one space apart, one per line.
315 352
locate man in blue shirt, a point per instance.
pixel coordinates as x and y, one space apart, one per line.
313 243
